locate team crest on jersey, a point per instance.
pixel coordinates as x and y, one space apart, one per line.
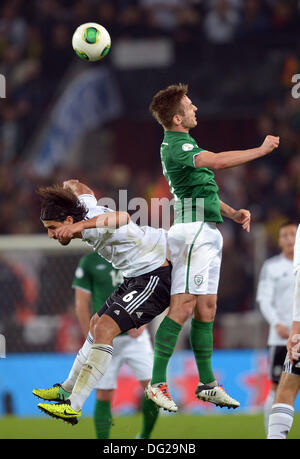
100 267
79 273
187 146
198 279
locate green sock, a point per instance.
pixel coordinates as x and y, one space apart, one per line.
164 345
201 337
102 419
150 413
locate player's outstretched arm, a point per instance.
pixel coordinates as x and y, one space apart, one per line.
241 216
226 159
110 220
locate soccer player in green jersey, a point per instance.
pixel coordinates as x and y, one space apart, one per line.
94 281
195 243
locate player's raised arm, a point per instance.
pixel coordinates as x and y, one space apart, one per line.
226 159
111 220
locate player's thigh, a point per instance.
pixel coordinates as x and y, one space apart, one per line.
106 329
142 298
277 355
206 306
287 389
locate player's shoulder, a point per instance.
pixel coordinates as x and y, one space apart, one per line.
275 264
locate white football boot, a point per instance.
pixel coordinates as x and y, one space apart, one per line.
216 395
160 395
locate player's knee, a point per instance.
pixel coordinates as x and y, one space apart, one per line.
93 321
206 311
105 330
183 311
104 395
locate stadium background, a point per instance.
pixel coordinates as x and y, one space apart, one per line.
63 118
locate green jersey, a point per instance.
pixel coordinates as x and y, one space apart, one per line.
97 276
194 189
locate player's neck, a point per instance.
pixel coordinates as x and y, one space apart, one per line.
288 255
178 129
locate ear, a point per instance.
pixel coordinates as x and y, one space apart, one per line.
69 220
177 119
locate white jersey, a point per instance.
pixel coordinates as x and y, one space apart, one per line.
132 249
275 293
296 311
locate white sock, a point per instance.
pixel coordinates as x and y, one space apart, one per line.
80 359
280 421
268 407
90 374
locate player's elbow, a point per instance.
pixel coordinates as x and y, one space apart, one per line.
219 164
209 160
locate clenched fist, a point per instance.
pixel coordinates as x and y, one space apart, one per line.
269 144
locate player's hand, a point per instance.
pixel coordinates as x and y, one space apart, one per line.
296 349
269 144
136 332
243 217
293 347
77 187
282 330
66 233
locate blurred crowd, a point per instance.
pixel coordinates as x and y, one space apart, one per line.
35 53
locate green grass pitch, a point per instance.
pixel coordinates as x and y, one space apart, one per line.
229 426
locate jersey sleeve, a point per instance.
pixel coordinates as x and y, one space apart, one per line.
185 153
92 235
265 294
82 277
296 305
297 251
88 200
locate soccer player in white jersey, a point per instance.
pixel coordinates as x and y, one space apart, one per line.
138 252
275 298
282 414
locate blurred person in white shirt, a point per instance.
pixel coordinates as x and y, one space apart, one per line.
275 293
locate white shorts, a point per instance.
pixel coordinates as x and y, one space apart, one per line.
137 353
195 251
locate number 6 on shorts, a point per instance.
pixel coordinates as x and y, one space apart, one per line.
128 297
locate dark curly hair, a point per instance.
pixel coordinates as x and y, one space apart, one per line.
59 203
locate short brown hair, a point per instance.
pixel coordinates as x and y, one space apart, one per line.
58 203
166 103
